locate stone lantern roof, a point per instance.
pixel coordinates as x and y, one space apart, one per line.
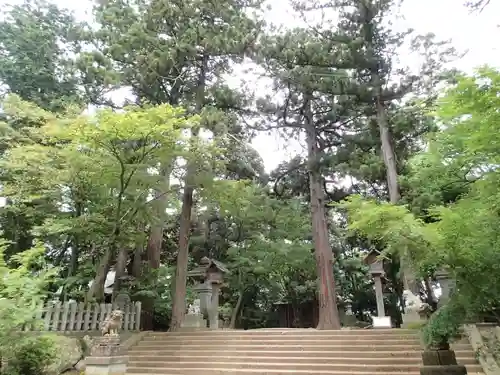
376 264
210 270
372 257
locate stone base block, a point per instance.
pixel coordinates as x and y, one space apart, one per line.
382 322
105 346
411 318
439 357
194 321
443 370
348 320
106 365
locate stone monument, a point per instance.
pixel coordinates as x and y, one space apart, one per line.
209 276
106 356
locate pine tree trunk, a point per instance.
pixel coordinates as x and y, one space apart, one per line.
179 298
407 275
328 311
179 301
388 154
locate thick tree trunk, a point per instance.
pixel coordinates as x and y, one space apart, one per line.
96 290
236 310
407 275
155 241
179 300
120 270
328 311
136 265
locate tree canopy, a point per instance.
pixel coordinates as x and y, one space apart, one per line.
397 160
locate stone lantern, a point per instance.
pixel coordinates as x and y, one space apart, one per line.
377 271
209 276
446 284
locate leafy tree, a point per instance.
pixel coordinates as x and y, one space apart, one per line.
36 41
100 174
23 287
174 62
460 237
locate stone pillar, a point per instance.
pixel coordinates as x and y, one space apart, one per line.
446 284
106 357
205 295
381 320
214 308
379 295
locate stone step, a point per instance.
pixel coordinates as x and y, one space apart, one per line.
275 341
316 367
230 372
304 359
290 332
236 371
282 337
277 346
286 355
299 346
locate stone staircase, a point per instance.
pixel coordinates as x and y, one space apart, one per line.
285 351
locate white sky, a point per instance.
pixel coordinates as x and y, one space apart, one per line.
448 19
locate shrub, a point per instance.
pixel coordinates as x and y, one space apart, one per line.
31 356
443 326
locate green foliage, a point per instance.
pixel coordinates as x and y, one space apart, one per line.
36 38
98 168
395 230
23 287
443 326
32 356
100 187
462 234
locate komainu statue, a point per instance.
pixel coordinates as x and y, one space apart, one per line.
195 307
112 323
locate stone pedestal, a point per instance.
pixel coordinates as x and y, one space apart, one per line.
204 292
347 318
106 357
411 318
412 307
441 362
382 322
194 321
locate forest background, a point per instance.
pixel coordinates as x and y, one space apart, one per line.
390 141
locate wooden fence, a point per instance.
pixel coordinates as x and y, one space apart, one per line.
81 317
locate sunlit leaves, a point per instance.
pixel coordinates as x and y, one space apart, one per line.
23 285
